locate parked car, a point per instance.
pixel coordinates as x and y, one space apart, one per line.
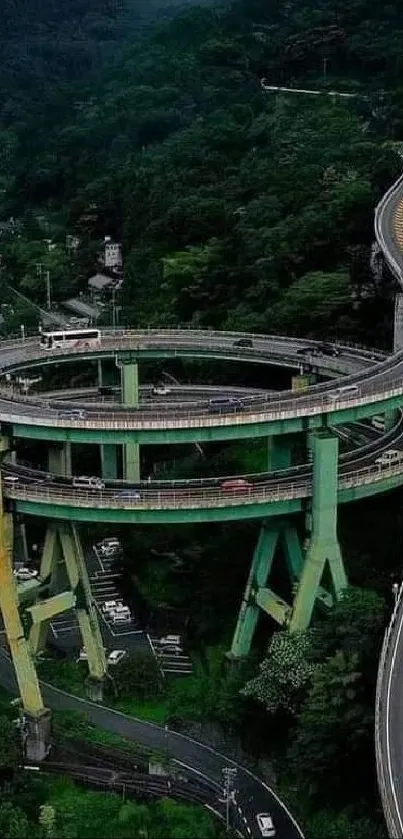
170 649
110 605
24 574
170 639
116 656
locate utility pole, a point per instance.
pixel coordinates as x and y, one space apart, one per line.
48 291
325 60
229 792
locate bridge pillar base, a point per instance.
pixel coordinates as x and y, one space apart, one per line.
95 689
308 567
36 731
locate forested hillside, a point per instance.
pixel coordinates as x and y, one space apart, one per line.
236 208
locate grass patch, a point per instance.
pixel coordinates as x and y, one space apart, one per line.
157 711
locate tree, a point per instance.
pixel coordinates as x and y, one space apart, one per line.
285 673
333 744
138 675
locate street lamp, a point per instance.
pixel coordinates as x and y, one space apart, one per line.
22 328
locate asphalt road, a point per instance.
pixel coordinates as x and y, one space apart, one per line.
252 796
364 368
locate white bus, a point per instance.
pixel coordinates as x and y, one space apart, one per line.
74 338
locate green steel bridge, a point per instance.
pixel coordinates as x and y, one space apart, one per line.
281 496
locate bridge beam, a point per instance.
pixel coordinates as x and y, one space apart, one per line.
323 553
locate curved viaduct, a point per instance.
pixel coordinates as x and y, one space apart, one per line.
371 383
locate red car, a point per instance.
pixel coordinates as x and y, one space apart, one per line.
235 485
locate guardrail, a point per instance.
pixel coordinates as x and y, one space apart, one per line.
385 776
191 498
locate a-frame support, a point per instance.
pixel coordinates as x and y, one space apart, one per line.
305 568
36 718
62 548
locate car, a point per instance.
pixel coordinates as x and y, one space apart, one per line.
346 390
108 552
112 546
121 616
170 639
10 480
305 351
129 495
110 541
170 649
266 826
235 485
243 342
74 413
83 655
24 574
116 656
88 482
389 457
161 390
329 349
110 605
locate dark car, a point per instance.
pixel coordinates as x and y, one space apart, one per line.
243 342
329 349
305 351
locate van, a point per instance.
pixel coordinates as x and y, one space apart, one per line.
86 482
346 390
389 457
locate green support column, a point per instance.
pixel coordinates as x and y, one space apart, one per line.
109 457
259 572
59 459
85 609
324 549
278 453
130 398
391 419
109 462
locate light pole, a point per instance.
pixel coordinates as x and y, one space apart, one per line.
229 791
22 327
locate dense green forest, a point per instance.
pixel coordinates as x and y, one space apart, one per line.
241 209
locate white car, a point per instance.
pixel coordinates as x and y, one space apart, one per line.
25 574
11 480
389 457
266 825
83 655
161 390
170 649
111 605
116 656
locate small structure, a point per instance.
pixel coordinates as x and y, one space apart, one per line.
113 254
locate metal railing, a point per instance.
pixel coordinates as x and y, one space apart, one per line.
314 400
192 497
384 773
